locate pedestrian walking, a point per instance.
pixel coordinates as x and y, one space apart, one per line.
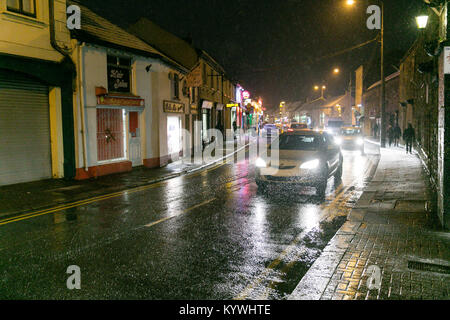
409 136
375 131
390 134
397 135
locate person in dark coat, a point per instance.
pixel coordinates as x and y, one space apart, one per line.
397 135
390 134
409 136
375 131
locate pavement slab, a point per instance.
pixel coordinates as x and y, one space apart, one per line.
393 228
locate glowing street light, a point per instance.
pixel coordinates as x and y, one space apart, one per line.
350 2
336 70
422 21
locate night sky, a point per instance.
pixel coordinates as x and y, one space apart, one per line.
272 46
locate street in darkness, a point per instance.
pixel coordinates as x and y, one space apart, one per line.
208 235
220 159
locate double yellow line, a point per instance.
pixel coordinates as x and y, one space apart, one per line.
97 199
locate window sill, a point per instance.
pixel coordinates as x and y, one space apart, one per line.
17 17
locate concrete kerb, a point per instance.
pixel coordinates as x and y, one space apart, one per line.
146 183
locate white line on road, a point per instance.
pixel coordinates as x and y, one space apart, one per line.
151 224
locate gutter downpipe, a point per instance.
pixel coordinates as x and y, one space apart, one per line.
65 52
82 100
69 58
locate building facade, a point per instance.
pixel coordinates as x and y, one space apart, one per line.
36 79
209 88
130 103
424 102
372 109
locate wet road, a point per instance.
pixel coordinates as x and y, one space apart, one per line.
210 235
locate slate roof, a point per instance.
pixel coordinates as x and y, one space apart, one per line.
96 29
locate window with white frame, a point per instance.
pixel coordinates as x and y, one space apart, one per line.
25 7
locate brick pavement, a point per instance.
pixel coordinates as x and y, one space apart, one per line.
393 227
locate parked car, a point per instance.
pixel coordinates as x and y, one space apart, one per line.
306 158
351 138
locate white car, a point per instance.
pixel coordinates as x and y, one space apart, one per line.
351 138
306 158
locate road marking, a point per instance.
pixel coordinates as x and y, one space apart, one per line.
83 202
179 214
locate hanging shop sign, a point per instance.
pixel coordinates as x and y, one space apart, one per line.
232 105
246 95
173 107
219 107
207 105
108 100
446 60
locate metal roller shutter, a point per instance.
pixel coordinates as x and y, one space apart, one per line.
25 152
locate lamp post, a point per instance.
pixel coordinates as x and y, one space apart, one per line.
322 90
383 79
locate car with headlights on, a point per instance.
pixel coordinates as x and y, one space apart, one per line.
300 158
351 138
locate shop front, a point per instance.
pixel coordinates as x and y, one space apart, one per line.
36 120
175 111
118 136
206 120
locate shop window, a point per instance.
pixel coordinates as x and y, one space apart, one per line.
119 74
25 7
174 135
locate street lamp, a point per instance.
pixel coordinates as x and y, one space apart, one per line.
322 90
383 79
422 21
336 70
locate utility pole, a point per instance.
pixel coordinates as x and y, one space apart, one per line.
383 84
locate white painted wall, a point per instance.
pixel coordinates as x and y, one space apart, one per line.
153 86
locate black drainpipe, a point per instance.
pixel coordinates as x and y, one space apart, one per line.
68 67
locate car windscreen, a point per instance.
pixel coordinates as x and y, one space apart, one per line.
299 142
350 132
299 126
334 124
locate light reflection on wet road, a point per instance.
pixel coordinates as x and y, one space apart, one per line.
210 235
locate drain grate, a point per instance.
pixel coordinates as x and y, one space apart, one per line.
429 267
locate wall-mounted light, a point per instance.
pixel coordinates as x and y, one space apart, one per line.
422 21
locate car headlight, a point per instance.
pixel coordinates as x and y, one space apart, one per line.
310 165
338 141
360 141
261 163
